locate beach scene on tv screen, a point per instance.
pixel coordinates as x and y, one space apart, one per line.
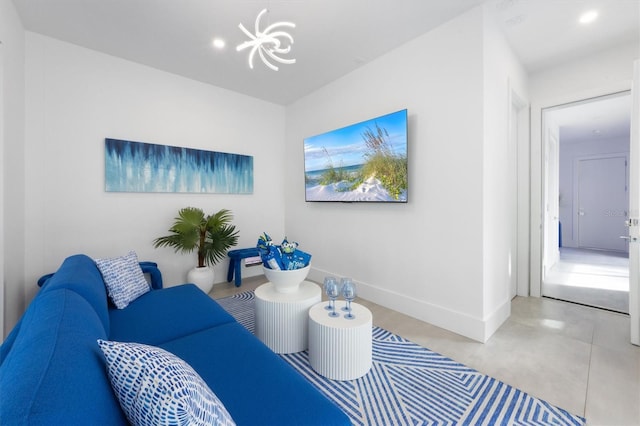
366 161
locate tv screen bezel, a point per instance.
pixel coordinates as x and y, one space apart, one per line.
357 125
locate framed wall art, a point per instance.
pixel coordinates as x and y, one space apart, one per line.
145 167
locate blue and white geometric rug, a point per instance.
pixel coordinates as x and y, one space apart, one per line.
411 385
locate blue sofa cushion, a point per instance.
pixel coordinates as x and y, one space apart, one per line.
163 315
55 371
123 278
234 364
80 274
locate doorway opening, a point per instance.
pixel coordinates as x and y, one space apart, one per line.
586 250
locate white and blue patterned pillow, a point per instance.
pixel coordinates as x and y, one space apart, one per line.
124 279
155 387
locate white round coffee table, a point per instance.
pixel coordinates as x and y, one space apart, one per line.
282 318
340 348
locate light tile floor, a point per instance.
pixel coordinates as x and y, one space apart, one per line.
590 277
572 356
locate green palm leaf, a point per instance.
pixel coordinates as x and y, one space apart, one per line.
211 236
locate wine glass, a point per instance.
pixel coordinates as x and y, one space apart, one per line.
332 292
345 281
328 280
349 293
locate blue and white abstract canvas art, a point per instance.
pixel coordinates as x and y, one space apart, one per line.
145 167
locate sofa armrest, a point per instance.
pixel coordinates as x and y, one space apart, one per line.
151 268
43 279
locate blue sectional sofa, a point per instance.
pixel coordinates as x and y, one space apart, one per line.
52 371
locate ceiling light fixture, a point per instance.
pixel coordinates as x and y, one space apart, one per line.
268 43
588 17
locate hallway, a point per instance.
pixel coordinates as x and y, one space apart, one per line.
590 277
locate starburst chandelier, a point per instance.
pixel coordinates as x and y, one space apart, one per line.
270 44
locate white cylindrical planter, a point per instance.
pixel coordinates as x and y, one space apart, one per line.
202 277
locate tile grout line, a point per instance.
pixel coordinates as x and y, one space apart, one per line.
586 393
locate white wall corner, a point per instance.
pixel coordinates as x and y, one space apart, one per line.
493 322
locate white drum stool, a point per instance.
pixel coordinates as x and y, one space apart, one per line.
340 348
282 318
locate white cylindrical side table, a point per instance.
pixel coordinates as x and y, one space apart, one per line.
282 318
340 348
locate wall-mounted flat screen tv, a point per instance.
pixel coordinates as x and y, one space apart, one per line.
363 162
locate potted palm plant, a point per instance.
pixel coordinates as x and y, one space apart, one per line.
209 235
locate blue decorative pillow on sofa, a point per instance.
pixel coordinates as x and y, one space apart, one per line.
124 279
155 387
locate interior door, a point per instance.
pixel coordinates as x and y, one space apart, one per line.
602 200
552 208
634 209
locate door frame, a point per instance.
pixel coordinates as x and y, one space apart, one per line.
519 112
550 224
634 204
537 170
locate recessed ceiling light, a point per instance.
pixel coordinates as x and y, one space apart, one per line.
218 43
588 17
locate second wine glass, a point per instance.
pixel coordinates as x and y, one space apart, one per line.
348 282
349 293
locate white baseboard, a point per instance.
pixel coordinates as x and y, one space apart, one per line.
457 322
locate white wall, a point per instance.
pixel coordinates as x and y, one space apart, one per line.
2 101
504 77
601 73
12 188
424 258
75 99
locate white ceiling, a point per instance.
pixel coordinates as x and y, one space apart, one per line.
332 37
603 118
545 32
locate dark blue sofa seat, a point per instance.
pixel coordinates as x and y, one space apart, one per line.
52 371
168 314
257 374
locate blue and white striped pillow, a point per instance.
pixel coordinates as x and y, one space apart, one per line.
155 387
124 279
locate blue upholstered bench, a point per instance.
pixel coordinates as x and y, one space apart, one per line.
235 262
